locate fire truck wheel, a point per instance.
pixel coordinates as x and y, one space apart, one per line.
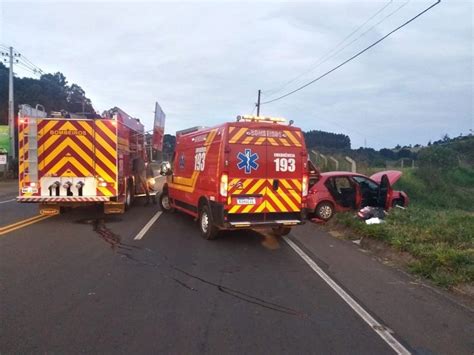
281 231
165 204
206 225
128 197
324 211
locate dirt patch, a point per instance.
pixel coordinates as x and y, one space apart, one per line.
386 252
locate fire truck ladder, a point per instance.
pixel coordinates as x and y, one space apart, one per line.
30 155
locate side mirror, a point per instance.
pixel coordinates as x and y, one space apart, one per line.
165 169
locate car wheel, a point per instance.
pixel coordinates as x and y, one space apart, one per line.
397 202
324 211
165 203
206 224
281 231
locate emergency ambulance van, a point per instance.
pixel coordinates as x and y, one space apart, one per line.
251 173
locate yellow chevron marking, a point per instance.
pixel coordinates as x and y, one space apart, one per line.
249 207
286 184
50 124
106 161
256 186
105 145
234 209
76 164
247 140
210 139
293 138
284 142
239 134
260 141
291 190
103 174
101 125
297 183
276 200
52 139
270 206
231 129
272 141
105 191
47 143
296 196
86 126
68 142
283 195
261 207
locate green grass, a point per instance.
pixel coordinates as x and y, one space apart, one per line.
437 229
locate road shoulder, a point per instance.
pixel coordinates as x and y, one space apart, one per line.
424 317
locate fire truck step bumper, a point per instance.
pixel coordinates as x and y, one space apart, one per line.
62 199
247 224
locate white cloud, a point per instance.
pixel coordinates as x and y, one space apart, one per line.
205 61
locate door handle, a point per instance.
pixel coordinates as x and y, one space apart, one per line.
275 184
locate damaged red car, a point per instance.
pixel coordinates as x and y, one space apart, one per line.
339 191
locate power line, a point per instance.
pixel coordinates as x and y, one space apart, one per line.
354 56
321 59
358 37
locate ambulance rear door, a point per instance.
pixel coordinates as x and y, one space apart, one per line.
285 157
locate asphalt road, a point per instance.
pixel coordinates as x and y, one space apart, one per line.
79 282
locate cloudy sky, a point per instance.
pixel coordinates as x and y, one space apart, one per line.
204 61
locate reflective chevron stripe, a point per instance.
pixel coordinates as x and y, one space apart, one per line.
286 138
78 148
106 156
286 199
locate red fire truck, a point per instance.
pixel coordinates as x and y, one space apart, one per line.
76 159
251 173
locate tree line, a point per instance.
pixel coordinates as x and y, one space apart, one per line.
50 90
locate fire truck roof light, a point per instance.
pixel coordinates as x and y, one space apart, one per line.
260 118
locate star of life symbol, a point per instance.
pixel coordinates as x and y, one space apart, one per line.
248 161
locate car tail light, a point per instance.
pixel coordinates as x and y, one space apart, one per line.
224 184
304 186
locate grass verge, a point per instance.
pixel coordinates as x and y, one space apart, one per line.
442 242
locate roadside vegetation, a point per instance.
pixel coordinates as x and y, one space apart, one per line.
437 229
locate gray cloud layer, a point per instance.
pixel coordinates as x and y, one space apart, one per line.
204 61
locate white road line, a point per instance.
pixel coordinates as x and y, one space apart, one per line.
148 226
6 201
383 332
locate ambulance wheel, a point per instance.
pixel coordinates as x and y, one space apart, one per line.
281 231
165 203
324 211
206 225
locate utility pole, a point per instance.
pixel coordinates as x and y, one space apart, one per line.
258 102
11 114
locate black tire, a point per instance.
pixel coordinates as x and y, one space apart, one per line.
206 225
128 197
165 204
281 231
324 211
397 202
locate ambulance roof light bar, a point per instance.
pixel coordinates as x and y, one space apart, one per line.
252 118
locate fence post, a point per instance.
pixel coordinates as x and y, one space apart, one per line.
336 162
353 164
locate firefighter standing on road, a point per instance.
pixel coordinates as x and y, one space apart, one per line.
139 170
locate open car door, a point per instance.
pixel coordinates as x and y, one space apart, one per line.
385 192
